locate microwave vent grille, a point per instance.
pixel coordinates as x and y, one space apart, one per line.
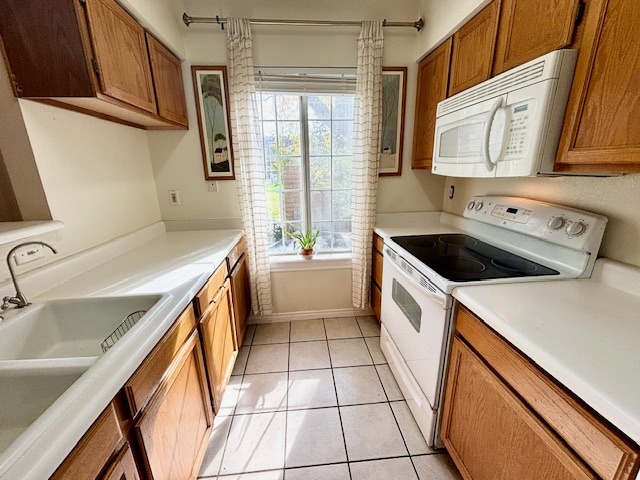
518 78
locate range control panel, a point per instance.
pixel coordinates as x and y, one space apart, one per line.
557 224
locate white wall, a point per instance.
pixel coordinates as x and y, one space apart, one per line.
177 158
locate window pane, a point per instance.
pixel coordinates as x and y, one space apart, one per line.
319 138
291 173
272 173
342 205
268 107
342 137
319 107
289 138
343 107
290 245
342 235
293 206
269 138
320 172
324 239
342 172
321 205
273 205
288 107
274 237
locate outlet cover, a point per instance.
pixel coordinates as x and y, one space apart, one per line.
174 198
213 186
28 254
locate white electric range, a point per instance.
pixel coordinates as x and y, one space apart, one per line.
504 240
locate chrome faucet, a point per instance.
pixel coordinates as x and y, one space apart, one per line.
19 300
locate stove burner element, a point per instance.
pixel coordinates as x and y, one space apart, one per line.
421 242
515 264
460 264
461 240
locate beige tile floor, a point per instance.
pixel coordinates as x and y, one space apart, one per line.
316 400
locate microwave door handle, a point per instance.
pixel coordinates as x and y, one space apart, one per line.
486 133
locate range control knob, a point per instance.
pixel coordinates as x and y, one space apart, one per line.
556 223
576 228
479 206
471 205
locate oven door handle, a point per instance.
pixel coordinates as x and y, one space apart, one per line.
441 298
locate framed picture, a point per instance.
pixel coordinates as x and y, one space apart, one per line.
394 86
212 102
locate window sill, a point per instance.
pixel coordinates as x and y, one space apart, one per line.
320 261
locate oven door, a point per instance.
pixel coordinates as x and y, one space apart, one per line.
417 317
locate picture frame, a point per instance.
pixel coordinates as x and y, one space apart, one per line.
394 99
214 124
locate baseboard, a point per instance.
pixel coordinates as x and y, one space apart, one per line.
310 315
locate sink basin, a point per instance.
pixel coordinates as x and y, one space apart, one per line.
66 328
26 393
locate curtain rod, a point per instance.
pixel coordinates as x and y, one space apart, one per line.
308 23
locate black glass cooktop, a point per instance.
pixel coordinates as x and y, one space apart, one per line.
462 258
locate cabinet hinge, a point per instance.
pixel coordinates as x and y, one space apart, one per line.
580 14
94 63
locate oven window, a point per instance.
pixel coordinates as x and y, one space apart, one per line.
407 304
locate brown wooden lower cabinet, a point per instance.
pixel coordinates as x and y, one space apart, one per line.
376 275
217 326
241 295
174 428
123 467
504 418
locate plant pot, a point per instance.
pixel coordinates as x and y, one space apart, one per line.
307 253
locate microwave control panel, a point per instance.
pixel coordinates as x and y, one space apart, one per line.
518 122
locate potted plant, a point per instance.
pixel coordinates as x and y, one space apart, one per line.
306 240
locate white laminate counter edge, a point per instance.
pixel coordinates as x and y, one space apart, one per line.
38 281
39 451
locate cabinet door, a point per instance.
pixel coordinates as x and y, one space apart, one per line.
601 130
492 435
433 79
123 467
473 47
241 295
121 54
530 28
219 342
174 427
167 80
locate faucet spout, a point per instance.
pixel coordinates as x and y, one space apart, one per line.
19 300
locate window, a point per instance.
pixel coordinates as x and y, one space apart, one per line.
308 152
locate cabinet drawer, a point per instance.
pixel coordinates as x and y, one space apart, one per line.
94 450
376 268
210 290
236 253
378 243
609 455
146 380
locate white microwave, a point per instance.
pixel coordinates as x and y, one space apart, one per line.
508 126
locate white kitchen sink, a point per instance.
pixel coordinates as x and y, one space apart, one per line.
66 328
26 392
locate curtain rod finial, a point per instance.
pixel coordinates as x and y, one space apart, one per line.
186 19
419 24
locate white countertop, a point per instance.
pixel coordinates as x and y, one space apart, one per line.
174 264
585 333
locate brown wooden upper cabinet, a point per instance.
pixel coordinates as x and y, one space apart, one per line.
91 56
601 130
433 81
530 28
473 47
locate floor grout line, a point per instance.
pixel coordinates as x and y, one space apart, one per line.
335 388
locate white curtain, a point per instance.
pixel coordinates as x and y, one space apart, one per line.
249 162
366 148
